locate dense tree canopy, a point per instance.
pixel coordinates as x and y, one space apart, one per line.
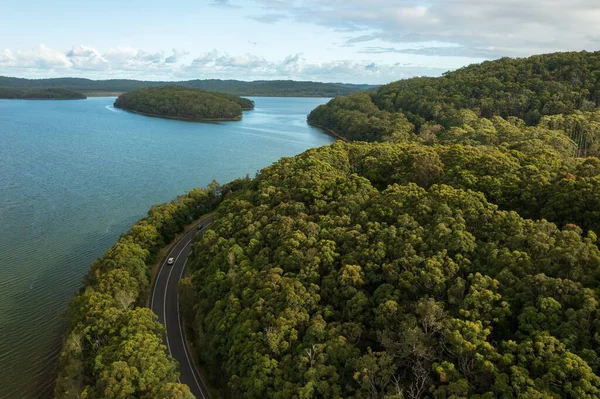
457 259
452 255
558 91
40 94
179 102
374 270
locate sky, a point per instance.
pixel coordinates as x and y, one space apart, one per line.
351 41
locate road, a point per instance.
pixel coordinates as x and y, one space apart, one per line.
165 303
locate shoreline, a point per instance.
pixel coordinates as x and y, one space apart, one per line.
181 118
331 132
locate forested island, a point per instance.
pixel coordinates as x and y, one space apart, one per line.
264 88
451 255
40 94
182 103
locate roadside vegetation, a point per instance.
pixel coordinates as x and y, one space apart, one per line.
113 344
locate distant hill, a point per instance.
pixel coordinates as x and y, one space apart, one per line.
40 94
277 88
184 103
560 91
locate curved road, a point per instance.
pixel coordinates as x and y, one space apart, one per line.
165 303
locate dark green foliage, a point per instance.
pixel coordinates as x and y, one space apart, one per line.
334 275
113 345
276 88
40 94
544 89
182 103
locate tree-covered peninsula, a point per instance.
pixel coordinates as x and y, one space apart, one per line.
454 255
40 94
178 102
559 91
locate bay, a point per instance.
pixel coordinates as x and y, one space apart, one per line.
74 175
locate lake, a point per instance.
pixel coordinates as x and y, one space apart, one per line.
74 175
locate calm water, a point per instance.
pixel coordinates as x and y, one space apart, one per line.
74 175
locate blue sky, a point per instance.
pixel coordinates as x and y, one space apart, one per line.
356 41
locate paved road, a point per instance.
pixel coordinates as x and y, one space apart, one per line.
165 303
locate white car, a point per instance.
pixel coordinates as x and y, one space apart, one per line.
170 261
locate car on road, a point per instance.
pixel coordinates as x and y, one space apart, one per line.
170 261
199 227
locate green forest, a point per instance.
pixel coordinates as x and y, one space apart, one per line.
454 256
40 94
559 91
265 88
447 250
178 102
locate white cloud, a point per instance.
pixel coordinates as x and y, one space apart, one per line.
493 28
216 64
128 62
41 57
131 59
7 58
177 55
87 58
220 61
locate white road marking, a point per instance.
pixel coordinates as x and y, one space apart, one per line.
162 265
167 290
192 368
165 260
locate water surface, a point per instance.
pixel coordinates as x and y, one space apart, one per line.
74 175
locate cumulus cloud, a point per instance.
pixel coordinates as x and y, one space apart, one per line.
177 55
216 64
132 59
128 62
481 27
87 58
41 57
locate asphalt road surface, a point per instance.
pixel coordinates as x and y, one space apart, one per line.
165 303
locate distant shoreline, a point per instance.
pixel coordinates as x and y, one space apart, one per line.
181 118
117 94
43 99
103 94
